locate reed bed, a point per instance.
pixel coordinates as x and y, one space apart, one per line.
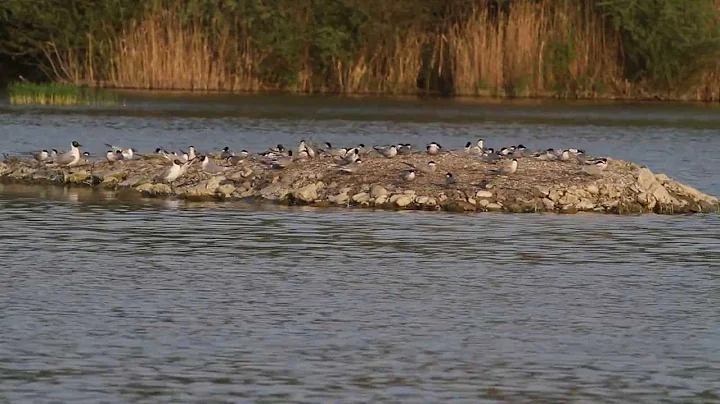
24 93
534 49
531 48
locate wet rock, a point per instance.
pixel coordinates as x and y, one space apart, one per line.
362 197
549 205
339 199
483 194
484 203
569 209
154 189
381 200
459 206
308 193
404 200
585 205
78 177
226 190
377 190
472 201
206 188
569 199
493 206
422 200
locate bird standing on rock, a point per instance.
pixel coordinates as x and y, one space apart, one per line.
171 173
69 158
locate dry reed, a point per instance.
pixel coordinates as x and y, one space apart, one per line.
531 49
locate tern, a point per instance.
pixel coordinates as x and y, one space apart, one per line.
210 167
351 168
449 179
426 168
407 175
226 153
508 168
404 149
433 149
387 151
41 156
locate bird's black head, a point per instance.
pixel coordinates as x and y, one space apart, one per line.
76 144
226 148
468 144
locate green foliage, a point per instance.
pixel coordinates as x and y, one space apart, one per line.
57 94
665 41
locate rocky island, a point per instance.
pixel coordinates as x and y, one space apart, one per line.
475 184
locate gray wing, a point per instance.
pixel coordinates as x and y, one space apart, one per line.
65 158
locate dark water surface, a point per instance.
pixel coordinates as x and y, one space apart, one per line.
113 300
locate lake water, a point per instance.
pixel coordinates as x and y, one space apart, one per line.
106 299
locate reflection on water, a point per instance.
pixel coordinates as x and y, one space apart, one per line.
110 298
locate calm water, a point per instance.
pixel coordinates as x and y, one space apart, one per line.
114 300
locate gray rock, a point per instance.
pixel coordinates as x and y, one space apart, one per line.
484 194
555 194
308 193
540 191
377 190
493 206
585 205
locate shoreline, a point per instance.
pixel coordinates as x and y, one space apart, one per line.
537 186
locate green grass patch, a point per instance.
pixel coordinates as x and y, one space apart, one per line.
26 93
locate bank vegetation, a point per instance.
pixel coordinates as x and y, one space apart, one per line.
664 49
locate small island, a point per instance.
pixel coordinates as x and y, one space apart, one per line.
477 185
